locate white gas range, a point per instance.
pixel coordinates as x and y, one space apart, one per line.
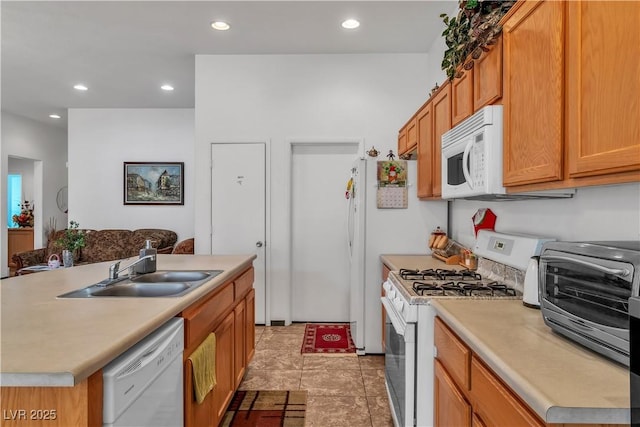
409 317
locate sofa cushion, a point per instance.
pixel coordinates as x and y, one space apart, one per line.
160 238
107 245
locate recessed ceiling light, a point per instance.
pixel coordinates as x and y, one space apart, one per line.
54 116
350 24
220 25
168 88
80 87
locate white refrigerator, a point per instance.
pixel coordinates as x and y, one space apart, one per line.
374 231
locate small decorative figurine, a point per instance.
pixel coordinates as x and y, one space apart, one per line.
373 152
391 156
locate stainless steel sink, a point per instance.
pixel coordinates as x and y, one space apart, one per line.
168 283
171 276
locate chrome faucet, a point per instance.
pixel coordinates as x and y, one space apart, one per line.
115 270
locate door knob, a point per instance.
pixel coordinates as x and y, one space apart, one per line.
259 244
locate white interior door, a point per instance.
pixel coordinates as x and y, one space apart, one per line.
320 271
238 208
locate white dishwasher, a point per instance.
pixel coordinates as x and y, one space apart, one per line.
143 386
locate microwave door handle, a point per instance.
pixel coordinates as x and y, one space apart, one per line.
465 162
623 272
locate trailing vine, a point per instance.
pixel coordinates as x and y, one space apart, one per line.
469 33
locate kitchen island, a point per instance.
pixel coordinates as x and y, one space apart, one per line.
52 349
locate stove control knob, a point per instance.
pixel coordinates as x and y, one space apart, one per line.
398 304
391 294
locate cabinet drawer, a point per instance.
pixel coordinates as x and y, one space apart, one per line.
453 354
199 320
494 402
244 283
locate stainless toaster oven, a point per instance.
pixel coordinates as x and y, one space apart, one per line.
584 290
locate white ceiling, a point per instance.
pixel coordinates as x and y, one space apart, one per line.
124 50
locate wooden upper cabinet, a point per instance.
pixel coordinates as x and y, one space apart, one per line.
462 97
402 141
441 104
487 77
603 87
424 120
533 40
412 135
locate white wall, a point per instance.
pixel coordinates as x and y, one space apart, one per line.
280 98
594 213
47 146
101 140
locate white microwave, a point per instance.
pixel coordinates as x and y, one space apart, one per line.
472 160
472 156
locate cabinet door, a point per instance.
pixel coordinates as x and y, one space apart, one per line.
424 121
402 141
462 97
239 354
450 406
225 378
250 327
441 123
496 404
196 414
412 135
533 93
487 77
603 87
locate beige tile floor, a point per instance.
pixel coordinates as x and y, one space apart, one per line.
344 390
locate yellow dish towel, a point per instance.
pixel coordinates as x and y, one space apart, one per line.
203 360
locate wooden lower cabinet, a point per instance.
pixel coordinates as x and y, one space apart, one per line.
225 378
494 403
450 406
239 354
250 327
468 394
234 327
18 240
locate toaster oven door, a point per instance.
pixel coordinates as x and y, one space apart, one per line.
587 299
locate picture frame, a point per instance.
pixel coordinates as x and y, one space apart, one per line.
153 183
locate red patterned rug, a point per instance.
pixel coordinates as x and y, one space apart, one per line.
328 338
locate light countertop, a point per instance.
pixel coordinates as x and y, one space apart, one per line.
49 341
561 381
415 261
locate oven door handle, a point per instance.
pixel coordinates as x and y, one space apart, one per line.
391 314
623 272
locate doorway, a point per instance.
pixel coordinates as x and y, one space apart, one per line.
239 208
320 271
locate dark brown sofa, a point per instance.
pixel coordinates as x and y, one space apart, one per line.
102 245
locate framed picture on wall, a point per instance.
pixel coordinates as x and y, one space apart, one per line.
154 183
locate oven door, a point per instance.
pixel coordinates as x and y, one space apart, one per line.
589 298
634 359
399 365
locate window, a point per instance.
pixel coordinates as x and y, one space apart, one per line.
14 198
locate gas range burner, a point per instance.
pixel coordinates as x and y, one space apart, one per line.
435 288
487 289
438 274
462 288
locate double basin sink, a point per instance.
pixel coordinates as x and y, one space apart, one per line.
167 283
